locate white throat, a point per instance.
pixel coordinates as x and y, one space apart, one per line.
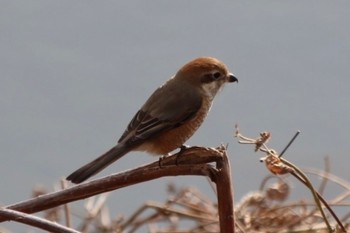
210 89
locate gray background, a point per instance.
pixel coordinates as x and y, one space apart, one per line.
73 73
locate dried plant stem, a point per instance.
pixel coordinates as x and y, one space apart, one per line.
317 197
290 143
34 221
278 165
66 209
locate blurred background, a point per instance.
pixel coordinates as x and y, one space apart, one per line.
73 74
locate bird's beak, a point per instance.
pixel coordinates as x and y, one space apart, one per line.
231 78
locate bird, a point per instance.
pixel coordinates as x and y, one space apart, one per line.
169 117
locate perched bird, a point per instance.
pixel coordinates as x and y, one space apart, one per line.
169 117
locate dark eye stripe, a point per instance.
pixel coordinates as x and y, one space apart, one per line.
208 78
217 75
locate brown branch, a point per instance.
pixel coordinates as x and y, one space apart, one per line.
34 221
222 178
190 161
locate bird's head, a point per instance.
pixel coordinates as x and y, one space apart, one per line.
206 74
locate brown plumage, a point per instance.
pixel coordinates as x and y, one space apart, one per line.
169 117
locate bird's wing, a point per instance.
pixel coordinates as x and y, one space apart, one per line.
164 110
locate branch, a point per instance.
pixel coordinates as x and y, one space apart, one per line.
34 221
189 161
225 195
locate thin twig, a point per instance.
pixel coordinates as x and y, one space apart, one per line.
290 142
66 209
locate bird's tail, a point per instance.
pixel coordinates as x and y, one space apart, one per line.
98 164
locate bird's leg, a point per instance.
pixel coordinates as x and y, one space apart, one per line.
161 158
182 149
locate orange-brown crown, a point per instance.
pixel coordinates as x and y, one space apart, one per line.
202 65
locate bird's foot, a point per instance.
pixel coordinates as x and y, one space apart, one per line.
182 149
161 158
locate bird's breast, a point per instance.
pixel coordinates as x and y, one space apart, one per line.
172 139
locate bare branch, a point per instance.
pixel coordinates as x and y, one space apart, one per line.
190 161
34 221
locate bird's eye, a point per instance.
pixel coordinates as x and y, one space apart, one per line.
216 75
210 77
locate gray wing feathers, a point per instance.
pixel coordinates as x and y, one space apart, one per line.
164 110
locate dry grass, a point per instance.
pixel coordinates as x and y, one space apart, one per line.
269 209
